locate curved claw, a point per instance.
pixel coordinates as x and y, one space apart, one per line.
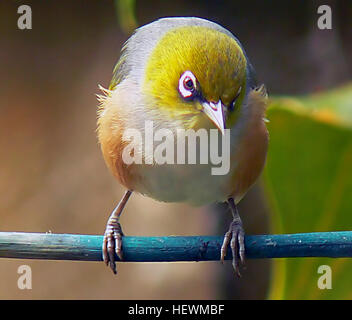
112 243
118 243
235 237
241 245
104 249
224 246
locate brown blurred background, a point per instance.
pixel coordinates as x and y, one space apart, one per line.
53 177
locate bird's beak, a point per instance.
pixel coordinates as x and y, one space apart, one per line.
215 113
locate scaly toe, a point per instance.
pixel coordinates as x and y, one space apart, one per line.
235 253
112 243
235 238
118 244
224 246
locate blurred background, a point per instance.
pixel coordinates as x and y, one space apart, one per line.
52 174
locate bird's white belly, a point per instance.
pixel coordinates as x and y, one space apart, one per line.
183 183
195 184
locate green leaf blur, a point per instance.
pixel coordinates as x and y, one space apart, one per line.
125 10
308 182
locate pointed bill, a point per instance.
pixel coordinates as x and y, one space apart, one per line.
215 114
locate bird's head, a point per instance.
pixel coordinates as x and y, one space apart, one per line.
198 74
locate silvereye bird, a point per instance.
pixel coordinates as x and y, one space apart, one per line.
184 73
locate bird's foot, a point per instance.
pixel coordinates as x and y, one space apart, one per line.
112 243
235 236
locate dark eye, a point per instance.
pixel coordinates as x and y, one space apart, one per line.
187 85
232 106
233 103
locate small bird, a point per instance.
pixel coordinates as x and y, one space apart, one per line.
183 73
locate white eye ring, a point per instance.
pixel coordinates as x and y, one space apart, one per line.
187 84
